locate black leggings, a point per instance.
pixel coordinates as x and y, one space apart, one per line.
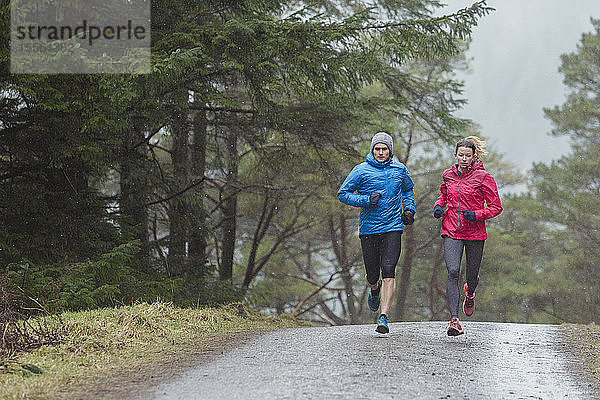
380 254
453 250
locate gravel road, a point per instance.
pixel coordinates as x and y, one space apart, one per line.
415 361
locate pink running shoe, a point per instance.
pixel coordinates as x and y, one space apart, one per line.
469 302
454 328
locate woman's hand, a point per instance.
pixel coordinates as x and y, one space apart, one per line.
469 215
438 211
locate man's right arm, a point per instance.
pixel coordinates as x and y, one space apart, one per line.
347 194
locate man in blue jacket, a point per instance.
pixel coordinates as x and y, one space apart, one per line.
383 190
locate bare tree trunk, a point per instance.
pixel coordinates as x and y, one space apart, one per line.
229 209
292 228
586 264
177 206
335 320
198 231
268 211
340 245
134 194
71 182
409 246
314 293
308 266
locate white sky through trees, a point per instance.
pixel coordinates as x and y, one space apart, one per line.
514 61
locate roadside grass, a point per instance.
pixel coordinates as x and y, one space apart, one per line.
104 351
584 346
117 343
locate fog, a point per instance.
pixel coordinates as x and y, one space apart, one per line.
515 57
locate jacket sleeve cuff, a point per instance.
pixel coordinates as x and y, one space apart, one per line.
365 201
479 215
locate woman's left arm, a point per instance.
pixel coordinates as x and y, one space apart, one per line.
491 197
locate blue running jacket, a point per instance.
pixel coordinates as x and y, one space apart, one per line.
392 180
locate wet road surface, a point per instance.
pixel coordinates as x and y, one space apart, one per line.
415 361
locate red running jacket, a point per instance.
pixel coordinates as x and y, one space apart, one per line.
474 190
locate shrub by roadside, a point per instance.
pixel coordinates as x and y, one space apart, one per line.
106 350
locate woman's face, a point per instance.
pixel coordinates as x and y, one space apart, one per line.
381 152
464 157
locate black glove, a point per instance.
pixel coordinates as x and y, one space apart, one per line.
438 211
469 215
408 217
374 198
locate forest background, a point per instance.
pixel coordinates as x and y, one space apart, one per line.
213 179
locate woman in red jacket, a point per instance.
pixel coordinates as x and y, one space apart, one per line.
471 195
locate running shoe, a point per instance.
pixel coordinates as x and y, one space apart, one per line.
375 300
454 328
382 324
469 302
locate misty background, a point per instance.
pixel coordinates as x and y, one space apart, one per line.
213 180
514 59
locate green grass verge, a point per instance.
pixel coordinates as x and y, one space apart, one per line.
104 346
583 344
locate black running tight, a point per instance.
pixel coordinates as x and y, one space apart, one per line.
453 250
380 254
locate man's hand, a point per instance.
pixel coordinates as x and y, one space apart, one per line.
408 217
374 198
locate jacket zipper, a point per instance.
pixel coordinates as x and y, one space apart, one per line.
387 181
458 203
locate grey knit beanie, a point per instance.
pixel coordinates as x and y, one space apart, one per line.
382 137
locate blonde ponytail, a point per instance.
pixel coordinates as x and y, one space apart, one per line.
480 150
478 144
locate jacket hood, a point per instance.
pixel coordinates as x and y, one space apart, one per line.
371 160
477 164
